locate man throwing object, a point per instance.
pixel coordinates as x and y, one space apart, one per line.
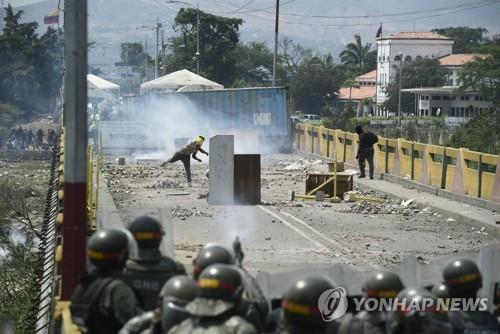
185 153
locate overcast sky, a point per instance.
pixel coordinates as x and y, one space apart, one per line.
113 21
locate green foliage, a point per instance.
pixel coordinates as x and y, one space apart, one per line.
254 63
483 74
293 55
315 83
467 40
8 116
218 39
132 54
418 73
18 260
30 65
358 56
481 134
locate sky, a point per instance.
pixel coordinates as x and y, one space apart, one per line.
323 25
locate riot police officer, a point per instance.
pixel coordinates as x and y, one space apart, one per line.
220 287
212 253
300 311
463 279
102 302
417 313
174 296
149 270
254 306
381 284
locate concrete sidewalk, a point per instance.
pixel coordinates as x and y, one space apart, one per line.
461 212
108 215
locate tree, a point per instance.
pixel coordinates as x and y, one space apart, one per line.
254 63
218 39
467 40
483 74
355 54
132 54
315 84
30 66
423 72
8 116
293 55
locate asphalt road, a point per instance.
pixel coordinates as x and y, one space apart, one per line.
287 238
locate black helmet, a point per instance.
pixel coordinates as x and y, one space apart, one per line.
176 293
414 309
358 129
109 248
180 289
440 291
300 302
220 287
212 253
383 284
462 277
147 231
220 281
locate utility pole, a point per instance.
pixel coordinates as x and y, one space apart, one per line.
75 146
400 75
197 38
275 57
146 65
156 50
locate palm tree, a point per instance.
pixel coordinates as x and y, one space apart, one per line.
355 54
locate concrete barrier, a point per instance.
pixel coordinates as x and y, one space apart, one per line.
459 171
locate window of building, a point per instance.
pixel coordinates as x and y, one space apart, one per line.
418 58
397 58
476 98
452 111
453 97
464 97
446 98
436 97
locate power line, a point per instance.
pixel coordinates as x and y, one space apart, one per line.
451 10
390 14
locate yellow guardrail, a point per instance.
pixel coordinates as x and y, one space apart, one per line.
62 313
457 170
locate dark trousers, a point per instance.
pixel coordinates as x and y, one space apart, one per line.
186 160
366 154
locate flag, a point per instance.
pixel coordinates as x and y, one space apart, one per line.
52 18
379 32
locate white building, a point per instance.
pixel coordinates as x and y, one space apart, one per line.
411 45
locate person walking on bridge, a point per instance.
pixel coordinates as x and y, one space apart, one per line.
185 153
365 150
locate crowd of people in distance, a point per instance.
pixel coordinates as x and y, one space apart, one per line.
27 139
131 287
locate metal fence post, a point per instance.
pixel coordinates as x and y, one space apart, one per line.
412 161
444 170
387 156
480 175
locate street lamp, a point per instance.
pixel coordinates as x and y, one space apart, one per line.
197 54
400 54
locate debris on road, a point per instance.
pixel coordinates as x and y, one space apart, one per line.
181 212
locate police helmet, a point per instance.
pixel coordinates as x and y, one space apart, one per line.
110 248
462 277
212 253
383 284
300 302
176 293
147 231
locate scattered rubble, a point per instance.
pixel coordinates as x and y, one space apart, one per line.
166 184
181 212
385 207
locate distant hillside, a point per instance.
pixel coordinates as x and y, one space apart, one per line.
114 21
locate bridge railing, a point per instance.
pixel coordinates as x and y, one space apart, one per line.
459 171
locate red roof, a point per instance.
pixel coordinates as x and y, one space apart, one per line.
458 59
372 75
357 93
416 35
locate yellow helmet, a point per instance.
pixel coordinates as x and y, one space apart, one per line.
200 140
